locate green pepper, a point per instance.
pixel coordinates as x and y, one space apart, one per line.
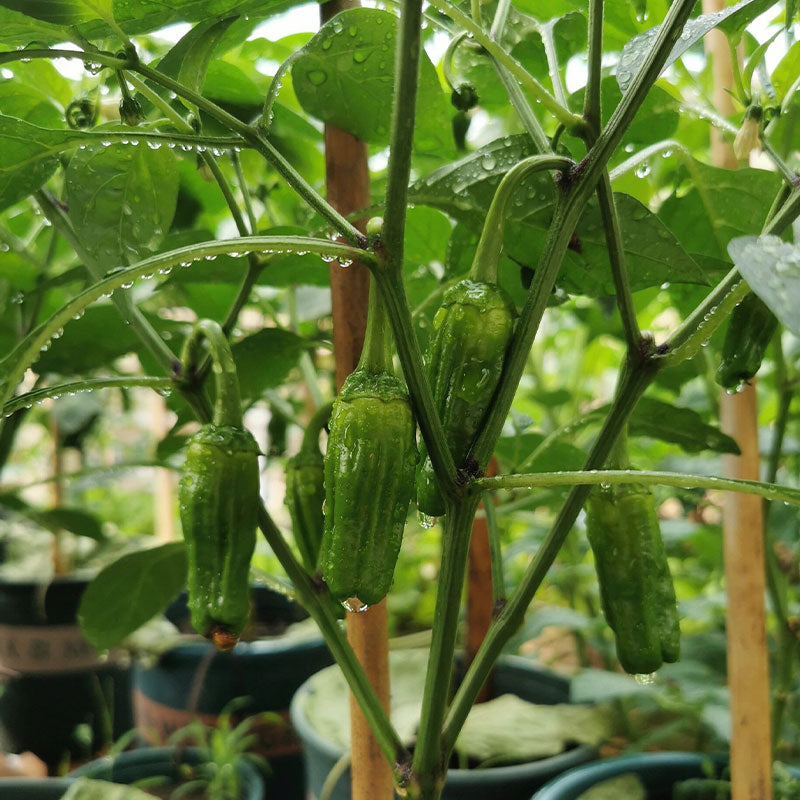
305 491
369 473
219 497
464 360
636 588
750 330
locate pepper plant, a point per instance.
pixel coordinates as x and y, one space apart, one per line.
89 212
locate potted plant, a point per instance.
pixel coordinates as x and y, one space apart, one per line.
219 763
497 251
62 699
192 680
506 753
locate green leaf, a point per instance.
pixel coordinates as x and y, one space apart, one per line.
345 76
515 452
127 593
18 29
74 520
188 59
786 72
96 340
466 187
264 359
720 205
227 84
731 20
772 269
121 200
508 729
63 12
681 426
28 158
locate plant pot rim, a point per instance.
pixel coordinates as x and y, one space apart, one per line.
455 777
255 650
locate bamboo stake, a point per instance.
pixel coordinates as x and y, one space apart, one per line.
743 522
347 181
480 597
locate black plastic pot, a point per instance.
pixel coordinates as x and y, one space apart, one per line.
659 772
150 762
34 788
194 681
54 681
513 675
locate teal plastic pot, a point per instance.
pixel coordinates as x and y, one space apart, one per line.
193 681
513 675
59 682
659 772
150 762
34 788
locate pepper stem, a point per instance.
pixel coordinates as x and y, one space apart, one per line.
376 354
228 405
318 421
487 255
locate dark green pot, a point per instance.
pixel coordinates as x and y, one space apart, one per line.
59 683
513 675
659 772
268 672
33 788
150 762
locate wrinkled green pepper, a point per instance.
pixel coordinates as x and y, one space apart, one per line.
635 582
369 473
464 360
305 491
750 330
219 497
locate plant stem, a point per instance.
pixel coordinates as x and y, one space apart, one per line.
634 380
24 401
318 421
498 578
248 206
592 111
530 83
429 761
771 491
546 32
376 355
406 66
565 217
500 17
322 612
522 107
27 54
395 302
25 353
616 255
487 254
267 113
227 404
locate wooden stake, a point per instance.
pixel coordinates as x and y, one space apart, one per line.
347 181
743 532
480 597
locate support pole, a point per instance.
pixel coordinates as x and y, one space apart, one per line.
347 181
743 530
